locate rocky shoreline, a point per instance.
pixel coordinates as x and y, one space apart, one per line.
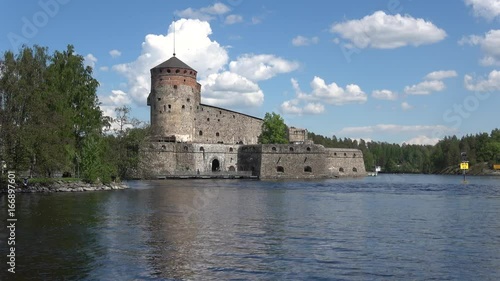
60 186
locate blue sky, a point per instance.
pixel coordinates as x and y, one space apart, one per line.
395 70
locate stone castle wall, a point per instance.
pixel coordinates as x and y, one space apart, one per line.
218 125
167 159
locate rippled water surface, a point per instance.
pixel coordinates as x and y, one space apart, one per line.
409 227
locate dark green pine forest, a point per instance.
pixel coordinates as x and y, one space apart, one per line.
482 151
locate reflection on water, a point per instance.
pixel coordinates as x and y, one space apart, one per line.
386 227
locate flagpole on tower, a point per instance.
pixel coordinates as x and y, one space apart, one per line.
174 35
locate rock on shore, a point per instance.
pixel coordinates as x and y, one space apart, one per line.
60 186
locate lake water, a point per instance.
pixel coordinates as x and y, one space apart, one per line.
390 227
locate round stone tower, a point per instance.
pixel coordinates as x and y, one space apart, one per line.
174 98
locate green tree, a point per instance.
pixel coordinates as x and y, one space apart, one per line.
274 129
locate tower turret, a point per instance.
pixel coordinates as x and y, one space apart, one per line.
174 98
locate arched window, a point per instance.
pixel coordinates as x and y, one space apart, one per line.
280 169
291 149
208 119
308 149
177 71
185 148
183 106
355 169
163 147
200 133
274 148
341 170
308 169
232 169
230 149
345 154
202 149
354 155
168 70
175 87
217 134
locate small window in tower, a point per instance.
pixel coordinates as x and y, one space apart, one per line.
184 80
308 169
185 71
177 71
220 112
200 133
230 149
308 149
164 108
234 116
168 70
202 149
175 87
169 106
217 134
273 149
218 120
291 149
183 106
188 99
280 169
185 148
159 99
208 119
190 72
345 154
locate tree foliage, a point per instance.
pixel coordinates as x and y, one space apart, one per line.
274 129
48 107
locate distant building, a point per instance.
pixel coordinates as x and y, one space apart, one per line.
191 139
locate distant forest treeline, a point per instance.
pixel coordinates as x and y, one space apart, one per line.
406 158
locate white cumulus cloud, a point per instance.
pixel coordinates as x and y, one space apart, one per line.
115 53
488 9
425 87
406 106
230 89
300 40
396 129
488 43
432 83
261 67
383 31
491 83
422 140
322 93
232 19
441 74
206 13
384 95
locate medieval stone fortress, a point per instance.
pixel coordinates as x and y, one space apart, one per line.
194 140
